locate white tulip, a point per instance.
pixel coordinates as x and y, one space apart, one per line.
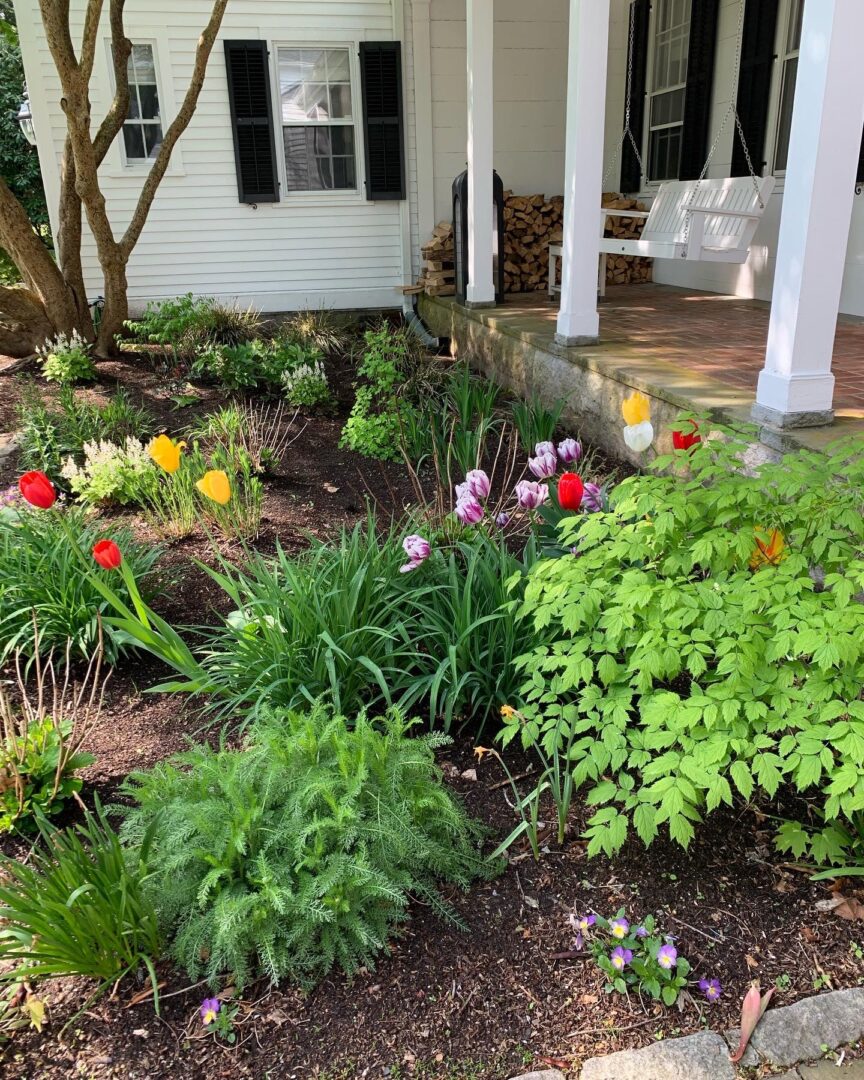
639 436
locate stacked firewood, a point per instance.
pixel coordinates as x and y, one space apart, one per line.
531 224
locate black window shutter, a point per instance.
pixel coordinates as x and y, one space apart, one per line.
754 83
252 120
631 175
700 81
381 81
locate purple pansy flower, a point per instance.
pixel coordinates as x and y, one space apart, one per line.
592 498
621 957
210 1010
569 450
417 549
640 932
711 988
530 495
667 957
477 483
619 928
543 465
582 925
468 510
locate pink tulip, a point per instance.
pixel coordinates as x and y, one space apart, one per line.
530 495
478 484
544 448
417 549
569 450
544 465
468 510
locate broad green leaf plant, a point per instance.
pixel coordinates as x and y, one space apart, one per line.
705 640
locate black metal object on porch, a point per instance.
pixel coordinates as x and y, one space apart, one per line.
460 235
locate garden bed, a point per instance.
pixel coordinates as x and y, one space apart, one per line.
483 1003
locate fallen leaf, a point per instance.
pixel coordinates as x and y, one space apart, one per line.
35 1009
752 962
469 774
330 487
752 1010
846 907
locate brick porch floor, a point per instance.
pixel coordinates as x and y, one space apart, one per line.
719 337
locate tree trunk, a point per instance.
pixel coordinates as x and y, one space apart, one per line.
116 310
68 243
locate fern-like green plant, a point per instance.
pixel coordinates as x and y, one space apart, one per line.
299 852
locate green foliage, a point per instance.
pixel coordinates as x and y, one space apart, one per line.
299 852
77 907
306 385
534 422
461 425
643 972
35 773
327 331
189 324
67 360
273 365
375 424
676 676
42 576
19 162
111 474
49 435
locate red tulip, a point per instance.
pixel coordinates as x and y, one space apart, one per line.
107 554
37 489
686 440
570 491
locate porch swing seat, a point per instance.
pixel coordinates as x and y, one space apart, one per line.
701 220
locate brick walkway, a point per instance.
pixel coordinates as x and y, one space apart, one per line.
721 337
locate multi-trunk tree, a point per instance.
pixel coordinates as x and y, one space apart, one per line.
57 278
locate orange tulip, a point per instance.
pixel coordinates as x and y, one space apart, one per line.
636 409
770 548
216 486
166 453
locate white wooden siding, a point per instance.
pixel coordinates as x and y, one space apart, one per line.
308 250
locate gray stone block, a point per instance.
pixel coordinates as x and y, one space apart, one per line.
798 1032
545 1074
696 1057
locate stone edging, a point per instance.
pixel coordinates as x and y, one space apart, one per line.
791 1035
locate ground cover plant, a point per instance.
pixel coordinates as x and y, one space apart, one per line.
66 360
298 852
705 640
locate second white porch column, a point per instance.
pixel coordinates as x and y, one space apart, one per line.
578 320
481 286
796 387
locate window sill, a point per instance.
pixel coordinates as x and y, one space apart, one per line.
317 198
119 172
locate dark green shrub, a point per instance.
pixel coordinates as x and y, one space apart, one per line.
299 852
188 324
708 639
77 907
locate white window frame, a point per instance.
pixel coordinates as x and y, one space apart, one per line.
123 166
784 19
336 196
648 182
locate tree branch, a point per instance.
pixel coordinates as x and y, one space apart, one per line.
176 129
89 38
121 50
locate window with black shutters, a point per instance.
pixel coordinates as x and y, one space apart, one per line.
381 81
249 94
667 87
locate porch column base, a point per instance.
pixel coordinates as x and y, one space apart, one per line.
762 414
479 305
580 339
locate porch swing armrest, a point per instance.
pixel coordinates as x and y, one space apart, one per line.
608 212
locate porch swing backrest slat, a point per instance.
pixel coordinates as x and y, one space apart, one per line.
679 199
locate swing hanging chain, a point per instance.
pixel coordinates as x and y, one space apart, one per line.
627 133
732 110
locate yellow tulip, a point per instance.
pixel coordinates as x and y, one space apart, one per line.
216 486
770 548
166 453
636 409
507 711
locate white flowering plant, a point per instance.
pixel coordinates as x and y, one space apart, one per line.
111 474
67 360
306 384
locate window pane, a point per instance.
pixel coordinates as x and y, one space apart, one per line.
133 140
343 173
787 100
152 139
337 66
796 16
319 158
340 102
142 62
342 140
149 99
317 102
134 104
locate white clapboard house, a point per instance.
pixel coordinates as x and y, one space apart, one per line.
329 132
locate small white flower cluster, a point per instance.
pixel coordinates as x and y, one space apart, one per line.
66 359
306 384
110 473
61 344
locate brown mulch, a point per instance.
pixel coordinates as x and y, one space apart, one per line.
484 1003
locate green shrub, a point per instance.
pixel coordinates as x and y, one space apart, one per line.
306 385
111 474
67 360
263 364
76 907
299 852
188 324
677 673
534 422
49 435
42 577
375 424
328 331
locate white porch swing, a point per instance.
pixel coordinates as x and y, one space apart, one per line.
704 220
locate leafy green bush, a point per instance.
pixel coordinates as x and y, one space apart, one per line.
306 385
49 435
707 638
42 577
111 474
328 331
188 324
299 852
375 425
77 907
263 364
67 360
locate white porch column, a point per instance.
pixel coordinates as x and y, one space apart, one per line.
796 387
481 286
578 320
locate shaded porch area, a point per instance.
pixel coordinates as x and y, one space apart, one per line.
686 349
